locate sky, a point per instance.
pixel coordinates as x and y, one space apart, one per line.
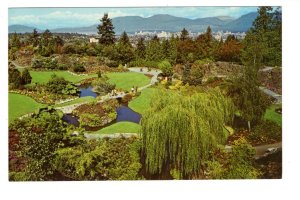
77 17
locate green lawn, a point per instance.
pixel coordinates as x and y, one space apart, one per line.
142 103
125 80
44 76
120 127
272 115
78 100
19 105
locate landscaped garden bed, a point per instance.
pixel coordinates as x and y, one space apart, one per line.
272 80
96 115
43 96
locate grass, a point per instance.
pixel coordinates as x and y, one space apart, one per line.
125 80
142 103
44 76
120 127
19 105
272 115
78 100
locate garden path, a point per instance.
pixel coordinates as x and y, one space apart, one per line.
262 150
270 93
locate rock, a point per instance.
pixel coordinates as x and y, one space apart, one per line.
75 133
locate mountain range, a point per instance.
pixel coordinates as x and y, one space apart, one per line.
160 22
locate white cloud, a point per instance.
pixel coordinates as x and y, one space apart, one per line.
67 17
24 19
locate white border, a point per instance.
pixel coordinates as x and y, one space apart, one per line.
238 189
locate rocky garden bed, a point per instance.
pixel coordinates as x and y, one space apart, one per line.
96 115
272 80
266 132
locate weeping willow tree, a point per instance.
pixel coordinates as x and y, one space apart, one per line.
179 131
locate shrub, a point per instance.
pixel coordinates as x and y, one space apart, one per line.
237 164
42 62
110 159
78 67
266 132
102 87
112 115
63 67
91 120
59 85
166 68
70 89
203 61
113 64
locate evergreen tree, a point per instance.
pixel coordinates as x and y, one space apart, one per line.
124 39
140 49
34 38
26 77
14 77
184 34
15 41
106 31
125 51
166 47
205 45
267 34
154 50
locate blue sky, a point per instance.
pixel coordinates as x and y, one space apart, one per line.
76 17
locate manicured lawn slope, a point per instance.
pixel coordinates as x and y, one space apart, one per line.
44 76
120 127
142 103
20 105
125 80
272 115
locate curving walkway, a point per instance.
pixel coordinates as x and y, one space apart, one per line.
270 93
90 136
262 150
153 72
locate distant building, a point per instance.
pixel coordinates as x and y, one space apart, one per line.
94 40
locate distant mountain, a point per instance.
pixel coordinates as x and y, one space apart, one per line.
225 18
164 22
21 29
241 24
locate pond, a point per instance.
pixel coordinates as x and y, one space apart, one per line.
87 91
71 119
125 113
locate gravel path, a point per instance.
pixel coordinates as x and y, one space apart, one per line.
113 135
153 72
270 93
262 150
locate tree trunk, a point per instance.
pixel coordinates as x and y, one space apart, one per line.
249 126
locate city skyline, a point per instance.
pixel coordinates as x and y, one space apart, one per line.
75 17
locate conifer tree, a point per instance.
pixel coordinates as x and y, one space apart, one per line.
106 31
140 49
